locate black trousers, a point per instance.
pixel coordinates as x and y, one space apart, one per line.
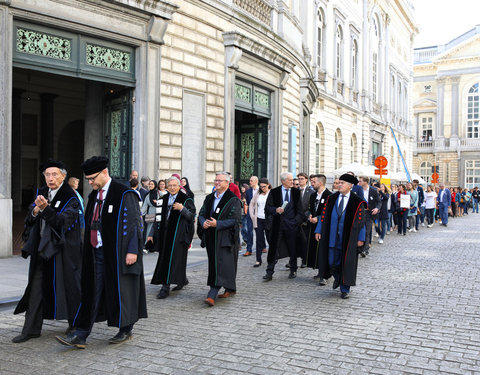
34 314
290 239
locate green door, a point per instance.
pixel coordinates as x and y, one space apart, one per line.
251 147
117 131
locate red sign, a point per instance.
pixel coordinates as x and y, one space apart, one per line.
381 172
381 162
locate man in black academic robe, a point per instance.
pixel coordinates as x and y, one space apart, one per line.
54 244
218 227
283 214
341 232
113 285
172 235
317 202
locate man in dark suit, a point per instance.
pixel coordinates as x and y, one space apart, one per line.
421 198
444 199
247 219
284 214
370 195
305 194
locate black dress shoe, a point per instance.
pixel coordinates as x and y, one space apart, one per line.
287 265
336 283
69 330
292 275
24 337
258 264
164 293
180 286
344 295
322 282
120 337
72 340
267 277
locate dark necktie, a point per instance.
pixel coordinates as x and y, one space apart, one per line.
340 206
286 196
96 215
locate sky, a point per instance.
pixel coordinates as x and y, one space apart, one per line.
440 21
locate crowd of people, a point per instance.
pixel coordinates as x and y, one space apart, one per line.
92 254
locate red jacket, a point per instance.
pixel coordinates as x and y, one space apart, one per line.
234 189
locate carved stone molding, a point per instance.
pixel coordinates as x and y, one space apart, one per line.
258 50
233 55
156 29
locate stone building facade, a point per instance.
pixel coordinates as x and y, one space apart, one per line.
446 103
197 86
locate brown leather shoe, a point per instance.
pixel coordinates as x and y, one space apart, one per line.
226 294
247 253
210 302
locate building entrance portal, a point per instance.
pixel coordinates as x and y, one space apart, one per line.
65 118
251 146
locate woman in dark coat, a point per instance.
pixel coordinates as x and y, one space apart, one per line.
186 185
383 214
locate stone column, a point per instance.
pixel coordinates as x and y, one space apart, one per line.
6 25
47 125
454 141
233 55
17 148
93 124
439 136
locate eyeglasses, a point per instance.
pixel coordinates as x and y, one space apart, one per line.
54 175
91 179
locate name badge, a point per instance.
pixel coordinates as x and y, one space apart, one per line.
110 209
217 210
57 204
322 201
158 218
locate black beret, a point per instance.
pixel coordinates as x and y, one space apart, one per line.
349 178
51 163
94 164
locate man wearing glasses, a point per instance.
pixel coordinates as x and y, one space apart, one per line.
113 286
218 228
54 245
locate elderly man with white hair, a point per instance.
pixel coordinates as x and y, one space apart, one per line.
172 234
283 214
54 245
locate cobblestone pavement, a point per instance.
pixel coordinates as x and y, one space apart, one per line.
415 310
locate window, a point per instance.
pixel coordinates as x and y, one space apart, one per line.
374 77
375 151
353 149
375 47
318 147
338 149
426 129
472 173
426 170
353 80
339 53
473 118
320 33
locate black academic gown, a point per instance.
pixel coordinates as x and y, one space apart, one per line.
354 222
222 242
172 239
312 245
60 250
123 301
290 220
